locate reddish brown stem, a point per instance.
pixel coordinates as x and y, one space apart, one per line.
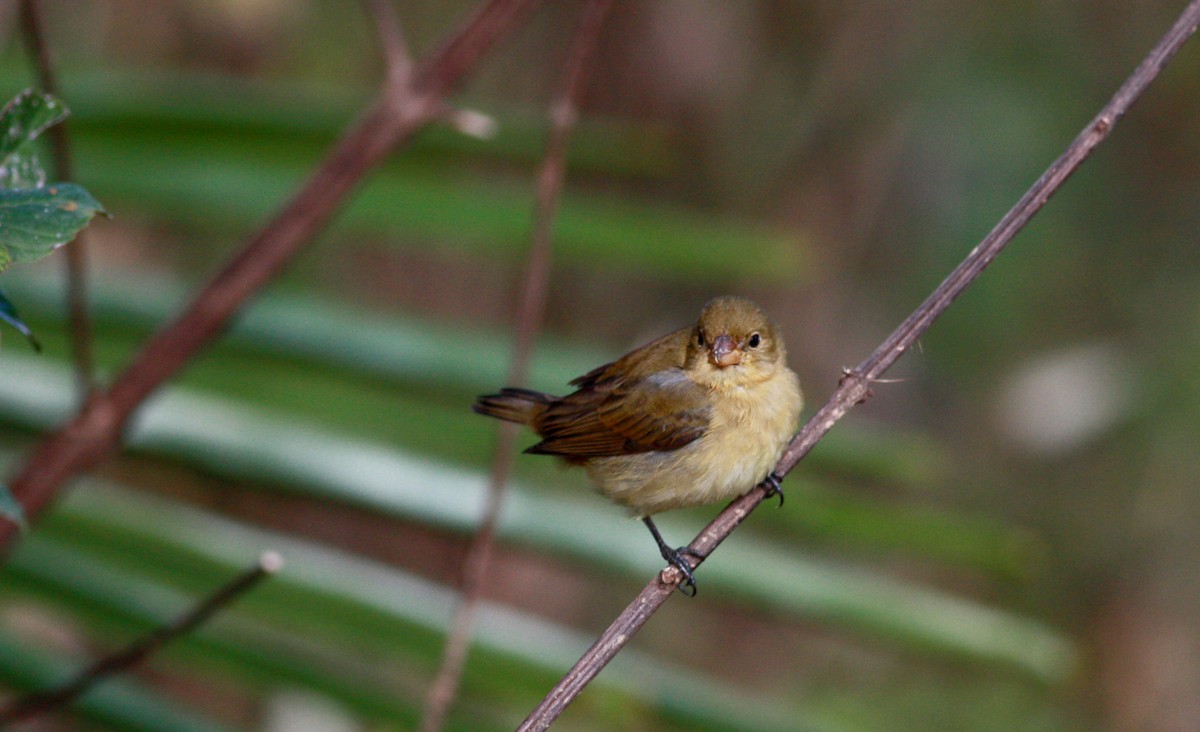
530 309
398 113
854 387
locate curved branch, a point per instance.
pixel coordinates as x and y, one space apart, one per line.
401 110
854 387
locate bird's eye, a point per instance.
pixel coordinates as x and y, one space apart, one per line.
755 340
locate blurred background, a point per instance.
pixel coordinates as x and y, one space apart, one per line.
1003 538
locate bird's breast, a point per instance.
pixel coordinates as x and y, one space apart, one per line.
748 429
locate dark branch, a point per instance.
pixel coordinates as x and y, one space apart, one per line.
78 317
42 701
530 310
396 115
855 385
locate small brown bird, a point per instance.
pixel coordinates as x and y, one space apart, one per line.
697 416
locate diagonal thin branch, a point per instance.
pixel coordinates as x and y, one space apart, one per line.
40 702
530 311
78 317
854 387
396 57
400 111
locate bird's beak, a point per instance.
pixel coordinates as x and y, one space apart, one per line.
724 352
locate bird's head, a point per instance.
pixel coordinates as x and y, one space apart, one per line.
734 342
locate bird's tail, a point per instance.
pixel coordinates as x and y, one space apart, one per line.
513 405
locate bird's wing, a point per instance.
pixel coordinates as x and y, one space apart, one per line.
658 355
662 411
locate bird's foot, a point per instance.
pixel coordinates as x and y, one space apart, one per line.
773 486
675 558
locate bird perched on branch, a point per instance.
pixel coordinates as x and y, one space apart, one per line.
697 416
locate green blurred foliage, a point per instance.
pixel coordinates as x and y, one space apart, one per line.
1000 539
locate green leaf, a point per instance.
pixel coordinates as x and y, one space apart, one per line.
35 221
23 170
8 313
21 121
10 508
25 117
35 218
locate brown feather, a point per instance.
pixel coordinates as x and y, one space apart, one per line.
666 352
513 405
641 402
616 416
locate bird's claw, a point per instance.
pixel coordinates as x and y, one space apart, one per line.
773 486
675 558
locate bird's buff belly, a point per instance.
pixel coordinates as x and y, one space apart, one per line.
716 467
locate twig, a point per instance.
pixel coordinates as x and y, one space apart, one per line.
39 702
396 57
78 316
395 116
854 387
530 311
399 66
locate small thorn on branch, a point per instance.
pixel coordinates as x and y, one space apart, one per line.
857 382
